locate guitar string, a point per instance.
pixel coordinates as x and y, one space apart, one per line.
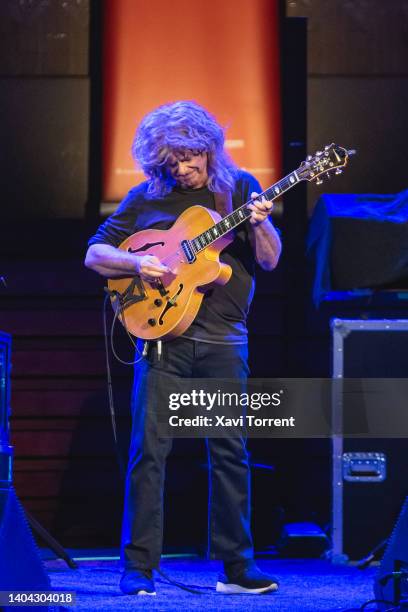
285 184
176 256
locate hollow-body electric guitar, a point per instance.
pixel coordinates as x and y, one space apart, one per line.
166 307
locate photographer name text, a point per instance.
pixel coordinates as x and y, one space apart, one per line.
248 420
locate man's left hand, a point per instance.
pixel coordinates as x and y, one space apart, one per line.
260 207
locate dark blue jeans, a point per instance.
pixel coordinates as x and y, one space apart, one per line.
142 533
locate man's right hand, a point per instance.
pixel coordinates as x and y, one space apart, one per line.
149 267
112 262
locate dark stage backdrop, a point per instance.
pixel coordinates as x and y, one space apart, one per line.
44 102
358 89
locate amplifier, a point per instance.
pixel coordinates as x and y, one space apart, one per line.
369 475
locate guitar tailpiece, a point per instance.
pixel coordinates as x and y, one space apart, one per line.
159 349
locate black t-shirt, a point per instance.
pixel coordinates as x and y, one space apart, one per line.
224 309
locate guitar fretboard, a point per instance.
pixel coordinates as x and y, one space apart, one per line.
241 214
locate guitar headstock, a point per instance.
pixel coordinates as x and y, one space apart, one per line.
324 163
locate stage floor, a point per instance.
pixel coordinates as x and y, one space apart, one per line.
305 585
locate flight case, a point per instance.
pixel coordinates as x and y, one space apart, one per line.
369 476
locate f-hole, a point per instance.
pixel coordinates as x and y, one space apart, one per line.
171 302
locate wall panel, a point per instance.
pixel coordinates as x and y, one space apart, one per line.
44 37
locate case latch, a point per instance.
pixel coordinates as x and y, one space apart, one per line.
364 467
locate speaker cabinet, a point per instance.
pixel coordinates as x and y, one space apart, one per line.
21 568
391 583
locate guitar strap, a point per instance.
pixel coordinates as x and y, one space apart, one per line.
223 203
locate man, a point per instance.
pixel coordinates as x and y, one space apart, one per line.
180 147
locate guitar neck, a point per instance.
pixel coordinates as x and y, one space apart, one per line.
241 214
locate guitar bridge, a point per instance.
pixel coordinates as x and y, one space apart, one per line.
162 289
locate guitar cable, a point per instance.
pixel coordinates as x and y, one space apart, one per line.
120 459
190 588
119 311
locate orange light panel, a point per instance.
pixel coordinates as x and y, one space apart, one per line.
224 54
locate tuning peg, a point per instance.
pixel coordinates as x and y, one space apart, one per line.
308 158
326 148
319 181
318 153
338 171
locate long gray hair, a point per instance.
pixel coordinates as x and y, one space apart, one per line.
176 127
